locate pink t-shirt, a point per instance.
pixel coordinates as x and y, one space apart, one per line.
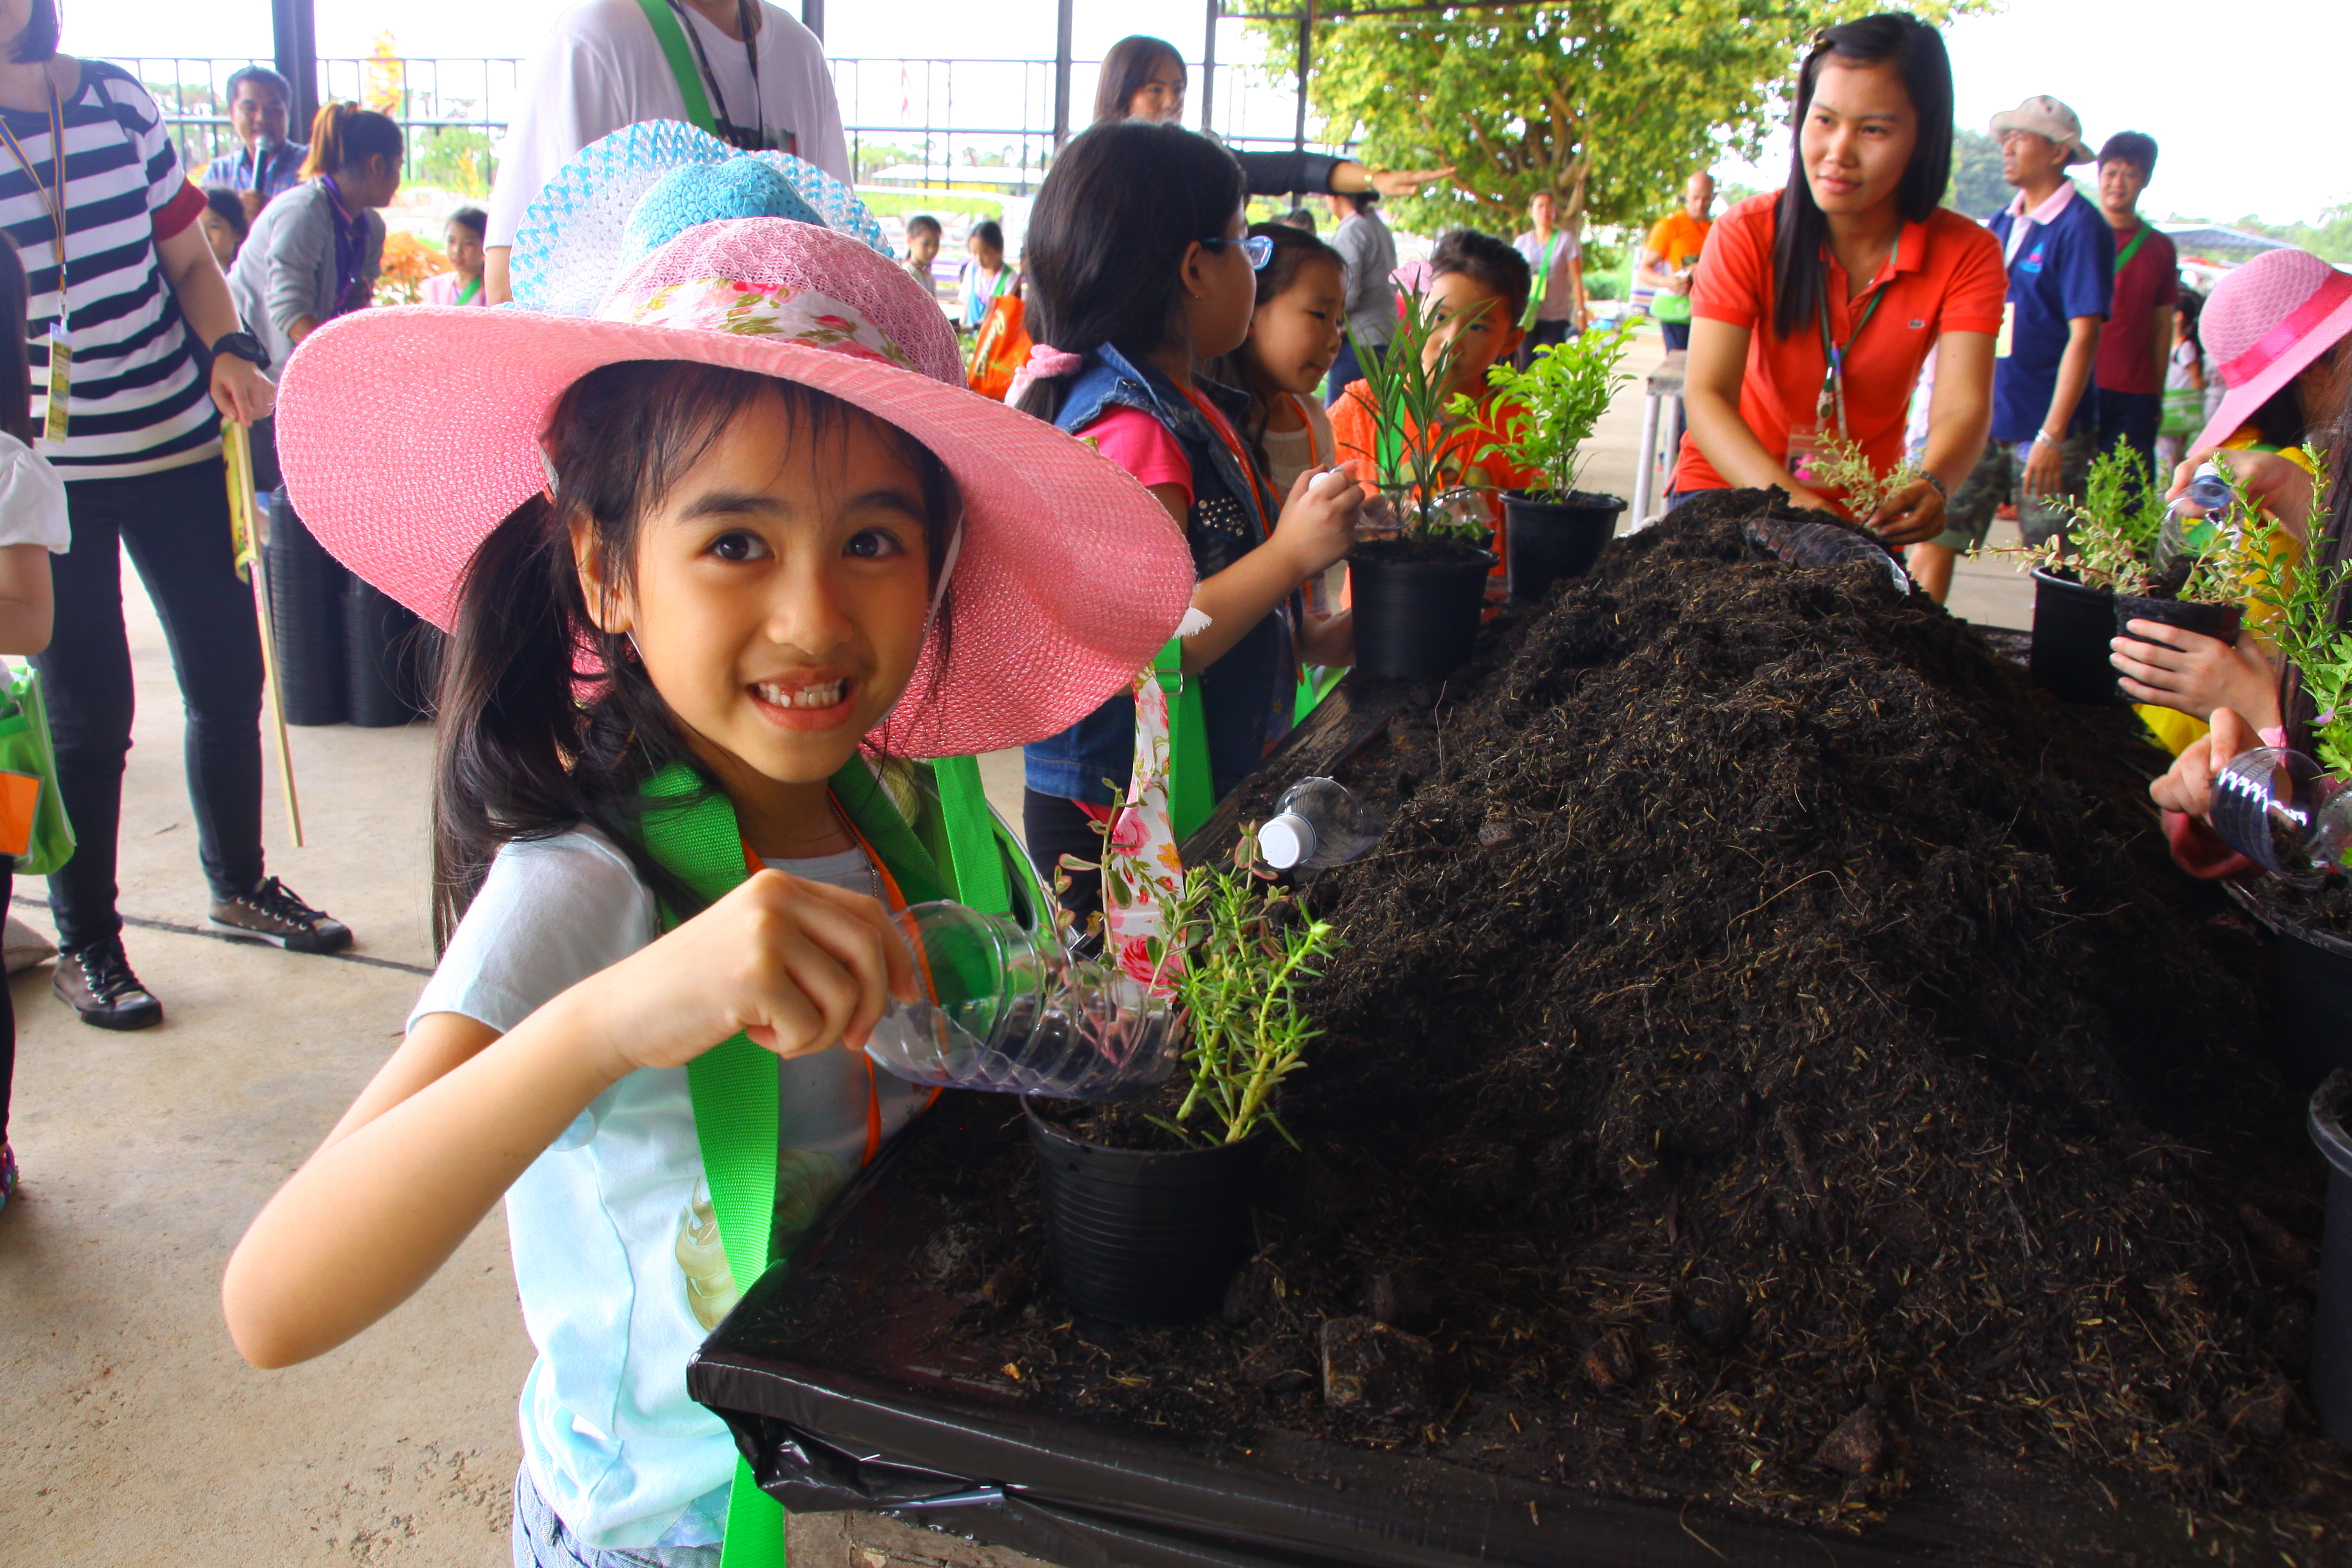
1140 444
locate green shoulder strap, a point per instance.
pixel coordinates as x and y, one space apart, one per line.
670 33
733 1085
1543 283
2123 259
1190 799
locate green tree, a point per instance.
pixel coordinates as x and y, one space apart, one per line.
2329 239
452 158
1610 104
1977 188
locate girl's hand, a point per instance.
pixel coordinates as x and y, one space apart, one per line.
1912 514
1328 641
2279 485
1318 524
2188 787
799 966
2193 673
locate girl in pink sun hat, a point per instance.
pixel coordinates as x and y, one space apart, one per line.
737 577
2279 333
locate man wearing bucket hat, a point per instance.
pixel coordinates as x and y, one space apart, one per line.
798 658
2061 259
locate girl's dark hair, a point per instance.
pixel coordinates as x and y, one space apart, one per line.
16 376
1128 69
989 233
1293 249
924 223
38 41
1491 263
1801 228
1108 233
473 218
524 755
343 133
2280 421
226 207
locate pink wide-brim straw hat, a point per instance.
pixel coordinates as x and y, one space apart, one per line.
2265 323
407 434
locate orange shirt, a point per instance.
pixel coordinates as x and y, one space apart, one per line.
1678 238
1945 276
1356 432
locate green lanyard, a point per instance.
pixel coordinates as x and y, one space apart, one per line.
465 296
1832 402
2124 256
733 1084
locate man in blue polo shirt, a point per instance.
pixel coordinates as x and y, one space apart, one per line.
266 164
2061 256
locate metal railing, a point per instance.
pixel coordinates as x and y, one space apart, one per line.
894 111
909 106
454 111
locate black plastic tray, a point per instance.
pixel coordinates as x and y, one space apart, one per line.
823 1373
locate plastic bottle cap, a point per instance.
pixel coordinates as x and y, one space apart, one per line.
1286 840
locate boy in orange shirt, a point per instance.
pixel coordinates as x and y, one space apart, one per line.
1468 271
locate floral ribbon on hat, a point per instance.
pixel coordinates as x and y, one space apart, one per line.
779 311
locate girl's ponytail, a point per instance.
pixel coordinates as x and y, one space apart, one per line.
1110 228
341 133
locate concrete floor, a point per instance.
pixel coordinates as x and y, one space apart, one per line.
132 1433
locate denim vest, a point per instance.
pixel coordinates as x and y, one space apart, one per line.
1246 695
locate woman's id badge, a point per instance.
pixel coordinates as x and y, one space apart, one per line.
60 383
2001 343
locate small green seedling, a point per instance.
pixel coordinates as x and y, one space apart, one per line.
1552 406
1247 950
1413 422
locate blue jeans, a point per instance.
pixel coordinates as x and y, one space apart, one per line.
2129 419
542 1541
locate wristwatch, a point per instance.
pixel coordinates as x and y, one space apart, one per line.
244 345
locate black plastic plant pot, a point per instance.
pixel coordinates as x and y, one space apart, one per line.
376 657
2213 620
306 612
1416 620
2072 627
1545 540
2331 1335
2311 1005
1144 1235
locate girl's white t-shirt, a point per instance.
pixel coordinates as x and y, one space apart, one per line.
32 499
1290 453
616 1251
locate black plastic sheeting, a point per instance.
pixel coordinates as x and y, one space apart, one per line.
820 1372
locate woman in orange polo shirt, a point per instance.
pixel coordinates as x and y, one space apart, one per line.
1815 306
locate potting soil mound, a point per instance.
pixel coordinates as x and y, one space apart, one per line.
1774 1056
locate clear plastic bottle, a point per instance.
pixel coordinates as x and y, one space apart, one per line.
2208 493
1317 823
1803 543
1008 1011
2282 811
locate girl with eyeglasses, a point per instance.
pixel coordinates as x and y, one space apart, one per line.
1140 270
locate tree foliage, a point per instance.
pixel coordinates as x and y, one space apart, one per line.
1977 188
2330 238
1610 104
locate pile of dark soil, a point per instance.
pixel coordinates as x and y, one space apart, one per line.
1774 1059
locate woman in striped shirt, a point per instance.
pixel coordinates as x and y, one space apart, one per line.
144 346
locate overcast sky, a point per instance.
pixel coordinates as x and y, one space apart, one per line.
2249 116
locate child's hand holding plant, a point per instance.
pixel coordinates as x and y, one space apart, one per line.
1318 524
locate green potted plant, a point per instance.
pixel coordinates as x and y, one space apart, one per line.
2078 574
1147 1226
2223 558
1418 591
1548 413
